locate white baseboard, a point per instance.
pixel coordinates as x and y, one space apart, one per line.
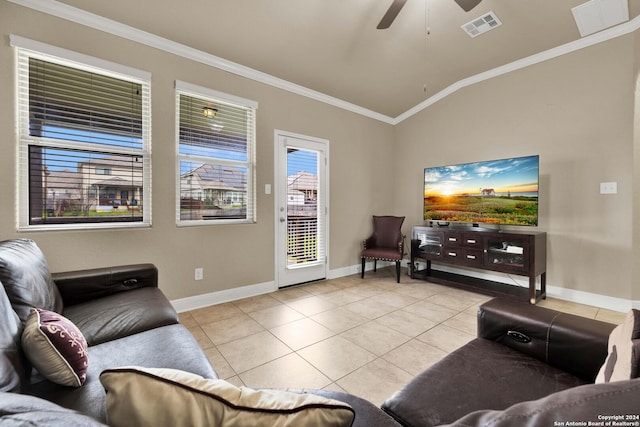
344 271
595 300
558 292
355 269
580 297
204 300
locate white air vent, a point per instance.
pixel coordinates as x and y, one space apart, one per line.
481 25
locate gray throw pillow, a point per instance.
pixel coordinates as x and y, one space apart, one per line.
26 278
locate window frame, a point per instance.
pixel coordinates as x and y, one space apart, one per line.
214 96
26 49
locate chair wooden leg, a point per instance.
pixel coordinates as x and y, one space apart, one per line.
375 265
362 270
398 270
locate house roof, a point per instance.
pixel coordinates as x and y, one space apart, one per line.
334 48
302 181
218 177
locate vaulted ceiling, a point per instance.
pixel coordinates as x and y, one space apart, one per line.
333 46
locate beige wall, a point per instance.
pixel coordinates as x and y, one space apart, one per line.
232 255
576 112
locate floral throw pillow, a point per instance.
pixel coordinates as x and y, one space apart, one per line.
55 347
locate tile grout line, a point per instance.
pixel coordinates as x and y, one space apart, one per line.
373 288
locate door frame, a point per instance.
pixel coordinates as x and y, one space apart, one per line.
276 198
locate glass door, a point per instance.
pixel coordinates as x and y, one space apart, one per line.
301 217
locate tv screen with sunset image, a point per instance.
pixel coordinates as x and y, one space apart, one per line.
492 192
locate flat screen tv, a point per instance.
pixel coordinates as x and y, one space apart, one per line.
499 192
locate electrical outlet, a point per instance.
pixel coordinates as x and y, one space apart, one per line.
199 273
608 188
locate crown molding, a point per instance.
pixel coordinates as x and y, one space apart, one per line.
79 16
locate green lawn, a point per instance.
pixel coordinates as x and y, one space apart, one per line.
498 210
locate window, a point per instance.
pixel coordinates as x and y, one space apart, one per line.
84 136
215 161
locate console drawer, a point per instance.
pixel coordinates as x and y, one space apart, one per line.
452 238
462 240
468 257
473 257
471 240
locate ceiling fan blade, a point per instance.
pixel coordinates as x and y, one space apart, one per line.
391 14
467 5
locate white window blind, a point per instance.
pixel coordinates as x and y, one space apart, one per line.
215 161
84 144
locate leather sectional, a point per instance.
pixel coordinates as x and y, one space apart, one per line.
528 366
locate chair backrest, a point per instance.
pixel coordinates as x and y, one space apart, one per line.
387 230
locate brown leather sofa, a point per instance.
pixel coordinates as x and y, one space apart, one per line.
122 314
529 366
125 319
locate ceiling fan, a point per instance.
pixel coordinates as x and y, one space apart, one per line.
397 5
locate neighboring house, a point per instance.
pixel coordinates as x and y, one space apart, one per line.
488 192
217 185
295 197
302 196
98 184
112 181
63 191
304 182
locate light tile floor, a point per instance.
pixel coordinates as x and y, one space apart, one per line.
366 336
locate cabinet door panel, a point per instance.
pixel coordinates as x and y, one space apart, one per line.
428 243
507 254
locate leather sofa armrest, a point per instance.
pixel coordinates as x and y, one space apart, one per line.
572 343
84 285
614 403
579 345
